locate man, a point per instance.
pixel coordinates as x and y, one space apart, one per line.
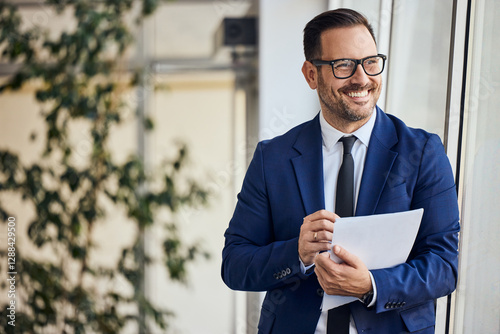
285 216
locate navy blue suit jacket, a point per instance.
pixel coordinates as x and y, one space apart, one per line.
405 169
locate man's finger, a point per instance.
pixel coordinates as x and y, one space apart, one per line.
349 258
322 260
323 268
318 225
321 236
323 214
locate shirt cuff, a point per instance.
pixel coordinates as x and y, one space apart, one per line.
307 270
374 299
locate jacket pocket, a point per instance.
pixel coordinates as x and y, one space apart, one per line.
420 317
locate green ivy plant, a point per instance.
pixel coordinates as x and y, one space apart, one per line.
76 80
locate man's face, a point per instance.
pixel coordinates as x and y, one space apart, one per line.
352 99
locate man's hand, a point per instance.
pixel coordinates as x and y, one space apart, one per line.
315 235
350 278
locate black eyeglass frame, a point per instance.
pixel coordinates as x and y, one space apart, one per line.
318 62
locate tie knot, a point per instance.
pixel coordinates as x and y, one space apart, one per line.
348 143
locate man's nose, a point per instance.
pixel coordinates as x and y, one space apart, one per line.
360 76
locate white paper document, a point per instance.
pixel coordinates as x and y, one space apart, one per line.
380 241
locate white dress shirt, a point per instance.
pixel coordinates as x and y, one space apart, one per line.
332 159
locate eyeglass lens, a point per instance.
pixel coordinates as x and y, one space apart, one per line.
346 67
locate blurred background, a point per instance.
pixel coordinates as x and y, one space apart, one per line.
218 76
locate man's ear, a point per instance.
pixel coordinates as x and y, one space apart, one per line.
310 74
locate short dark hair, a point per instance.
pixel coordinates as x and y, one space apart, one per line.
337 18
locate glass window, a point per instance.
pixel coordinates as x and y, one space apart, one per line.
478 292
418 63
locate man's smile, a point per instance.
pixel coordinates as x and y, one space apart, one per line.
362 93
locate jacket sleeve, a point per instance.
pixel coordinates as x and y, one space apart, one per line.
252 260
431 269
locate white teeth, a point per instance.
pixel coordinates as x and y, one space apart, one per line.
358 94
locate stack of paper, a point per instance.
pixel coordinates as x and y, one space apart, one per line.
380 241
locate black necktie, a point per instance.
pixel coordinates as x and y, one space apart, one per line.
339 317
344 200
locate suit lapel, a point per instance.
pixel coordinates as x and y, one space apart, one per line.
378 164
308 166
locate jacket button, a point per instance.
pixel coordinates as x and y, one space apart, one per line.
276 276
390 305
283 273
288 271
320 292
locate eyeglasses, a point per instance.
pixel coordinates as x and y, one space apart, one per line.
345 68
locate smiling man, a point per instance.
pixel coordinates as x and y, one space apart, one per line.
351 159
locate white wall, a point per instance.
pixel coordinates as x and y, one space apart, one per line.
285 98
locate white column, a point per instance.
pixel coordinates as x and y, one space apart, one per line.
285 98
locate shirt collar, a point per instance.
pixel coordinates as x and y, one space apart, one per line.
331 135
